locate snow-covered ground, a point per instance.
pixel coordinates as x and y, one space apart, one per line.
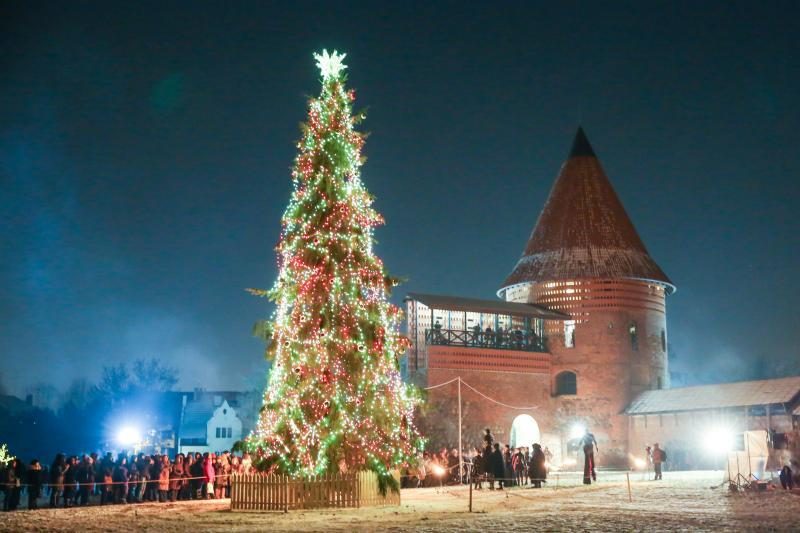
682 501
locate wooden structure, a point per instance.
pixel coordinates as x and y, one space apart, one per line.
255 492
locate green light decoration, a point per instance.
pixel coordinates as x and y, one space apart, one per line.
335 401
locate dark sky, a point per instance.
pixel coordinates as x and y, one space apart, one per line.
145 152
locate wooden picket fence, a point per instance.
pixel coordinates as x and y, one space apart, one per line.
254 492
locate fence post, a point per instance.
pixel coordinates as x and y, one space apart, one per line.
285 494
470 495
628 477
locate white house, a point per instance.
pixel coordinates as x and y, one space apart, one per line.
214 421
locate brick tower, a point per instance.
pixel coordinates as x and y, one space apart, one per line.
586 259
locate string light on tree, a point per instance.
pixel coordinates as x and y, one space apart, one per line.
335 400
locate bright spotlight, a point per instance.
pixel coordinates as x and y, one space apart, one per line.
128 436
438 470
577 431
638 462
718 440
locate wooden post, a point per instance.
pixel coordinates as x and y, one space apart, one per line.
285 494
470 494
460 446
628 477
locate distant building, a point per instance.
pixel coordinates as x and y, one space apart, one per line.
212 421
579 335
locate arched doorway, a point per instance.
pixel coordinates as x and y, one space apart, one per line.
524 431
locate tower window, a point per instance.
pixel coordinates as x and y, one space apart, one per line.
566 383
634 333
663 341
569 333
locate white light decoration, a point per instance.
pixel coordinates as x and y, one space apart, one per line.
330 64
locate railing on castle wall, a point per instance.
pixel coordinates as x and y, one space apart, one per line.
255 492
499 340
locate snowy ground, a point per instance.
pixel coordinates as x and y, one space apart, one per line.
683 500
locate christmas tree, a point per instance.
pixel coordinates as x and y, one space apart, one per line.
335 400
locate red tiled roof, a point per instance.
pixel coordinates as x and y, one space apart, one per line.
583 232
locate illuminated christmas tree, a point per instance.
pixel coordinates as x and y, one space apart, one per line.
335 399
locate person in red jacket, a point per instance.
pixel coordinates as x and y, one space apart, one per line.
208 473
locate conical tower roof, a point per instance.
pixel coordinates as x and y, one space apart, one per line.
583 232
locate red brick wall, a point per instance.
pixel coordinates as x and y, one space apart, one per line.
440 420
610 372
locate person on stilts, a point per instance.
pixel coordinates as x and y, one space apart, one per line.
589 444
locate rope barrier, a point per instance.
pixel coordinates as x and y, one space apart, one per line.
442 384
98 483
498 402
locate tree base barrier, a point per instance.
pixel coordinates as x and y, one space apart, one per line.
255 492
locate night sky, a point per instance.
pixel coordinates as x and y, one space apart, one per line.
145 151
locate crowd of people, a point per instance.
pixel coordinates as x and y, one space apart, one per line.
497 466
72 481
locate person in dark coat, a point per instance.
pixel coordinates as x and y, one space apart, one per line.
71 482
498 466
120 478
478 469
538 467
508 469
57 471
12 484
85 477
518 466
34 481
197 477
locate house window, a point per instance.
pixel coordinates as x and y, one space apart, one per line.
230 433
569 333
634 333
566 383
663 341
219 431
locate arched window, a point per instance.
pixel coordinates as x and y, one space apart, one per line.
566 383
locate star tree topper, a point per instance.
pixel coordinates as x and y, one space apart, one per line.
330 64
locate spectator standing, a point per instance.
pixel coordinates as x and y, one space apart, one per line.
57 471
538 469
508 470
208 474
34 480
163 479
85 478
176 478
659 456
120 479
498 467
12 485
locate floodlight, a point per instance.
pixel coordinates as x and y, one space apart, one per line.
128 436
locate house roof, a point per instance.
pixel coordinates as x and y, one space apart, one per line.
501 307
722 395
200 407
583 231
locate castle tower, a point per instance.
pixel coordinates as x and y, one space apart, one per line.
586 259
